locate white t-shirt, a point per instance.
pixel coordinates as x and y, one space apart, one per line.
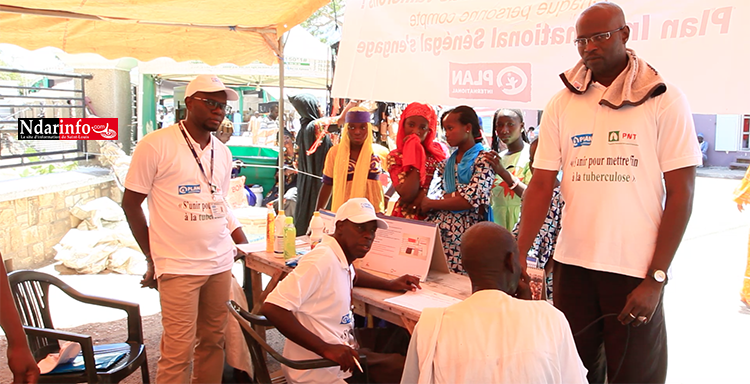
493 338
185 237
612 162
267 123
318 293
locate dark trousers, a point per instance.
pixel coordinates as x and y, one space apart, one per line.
385 349
584 295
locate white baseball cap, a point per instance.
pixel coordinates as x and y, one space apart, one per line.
359 210
208 84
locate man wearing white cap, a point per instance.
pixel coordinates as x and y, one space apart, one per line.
312 306
189 238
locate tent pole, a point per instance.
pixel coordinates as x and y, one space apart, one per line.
281 125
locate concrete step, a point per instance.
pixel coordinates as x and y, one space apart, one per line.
739 165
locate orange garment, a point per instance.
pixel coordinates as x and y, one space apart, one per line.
742 196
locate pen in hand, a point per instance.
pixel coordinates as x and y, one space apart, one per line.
358 365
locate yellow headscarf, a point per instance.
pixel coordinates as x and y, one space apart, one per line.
341 166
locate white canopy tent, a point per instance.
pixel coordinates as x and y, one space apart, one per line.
213 31
306 62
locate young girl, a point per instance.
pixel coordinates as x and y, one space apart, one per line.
466 181
412 164
511 166
351 168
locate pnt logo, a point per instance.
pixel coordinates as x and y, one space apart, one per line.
621 138
583 140
495 81
189 189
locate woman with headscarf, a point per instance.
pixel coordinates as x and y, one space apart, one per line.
312 147
351 168
412 164
511 166
466 181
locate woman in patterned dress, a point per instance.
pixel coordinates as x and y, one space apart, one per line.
466 181
412 164
352 169
511 166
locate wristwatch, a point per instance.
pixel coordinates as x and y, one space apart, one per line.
659 275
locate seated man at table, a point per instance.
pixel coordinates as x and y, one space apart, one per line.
312 306
492 337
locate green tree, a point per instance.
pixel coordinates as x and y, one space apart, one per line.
9 75
325 20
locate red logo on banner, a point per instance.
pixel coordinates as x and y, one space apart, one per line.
67 129
492 81
88 129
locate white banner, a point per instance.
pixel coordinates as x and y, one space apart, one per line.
510 53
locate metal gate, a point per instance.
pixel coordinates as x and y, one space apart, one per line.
55 95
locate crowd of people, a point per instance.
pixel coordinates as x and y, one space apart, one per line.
573 198
565 189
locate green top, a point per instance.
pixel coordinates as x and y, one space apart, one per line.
506 205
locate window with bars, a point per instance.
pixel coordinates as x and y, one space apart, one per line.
56 95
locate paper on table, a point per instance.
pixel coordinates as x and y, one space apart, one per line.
423 298
252 247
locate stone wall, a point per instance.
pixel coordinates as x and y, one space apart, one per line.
35 214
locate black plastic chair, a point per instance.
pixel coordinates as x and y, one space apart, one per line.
258 347
31 295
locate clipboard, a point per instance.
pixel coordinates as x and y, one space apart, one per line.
412 247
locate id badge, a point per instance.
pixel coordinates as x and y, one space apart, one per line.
218 208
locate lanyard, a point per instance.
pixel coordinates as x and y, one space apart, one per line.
198 160
351 289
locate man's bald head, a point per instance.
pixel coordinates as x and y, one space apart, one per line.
602 35
604 11
489 254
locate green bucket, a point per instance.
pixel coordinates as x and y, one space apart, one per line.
262 156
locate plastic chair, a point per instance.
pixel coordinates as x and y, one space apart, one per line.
258 348
31 295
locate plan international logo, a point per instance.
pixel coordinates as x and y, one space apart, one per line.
490 81
583 140
67 129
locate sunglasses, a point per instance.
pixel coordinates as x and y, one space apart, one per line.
212 104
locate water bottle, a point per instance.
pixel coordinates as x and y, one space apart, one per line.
278 228
290 239
316 228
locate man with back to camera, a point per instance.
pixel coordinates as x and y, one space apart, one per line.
492 337
312 305
189 245
616 130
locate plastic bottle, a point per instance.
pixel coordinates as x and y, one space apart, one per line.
290 239
269 229
278 229
316 228
257 190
